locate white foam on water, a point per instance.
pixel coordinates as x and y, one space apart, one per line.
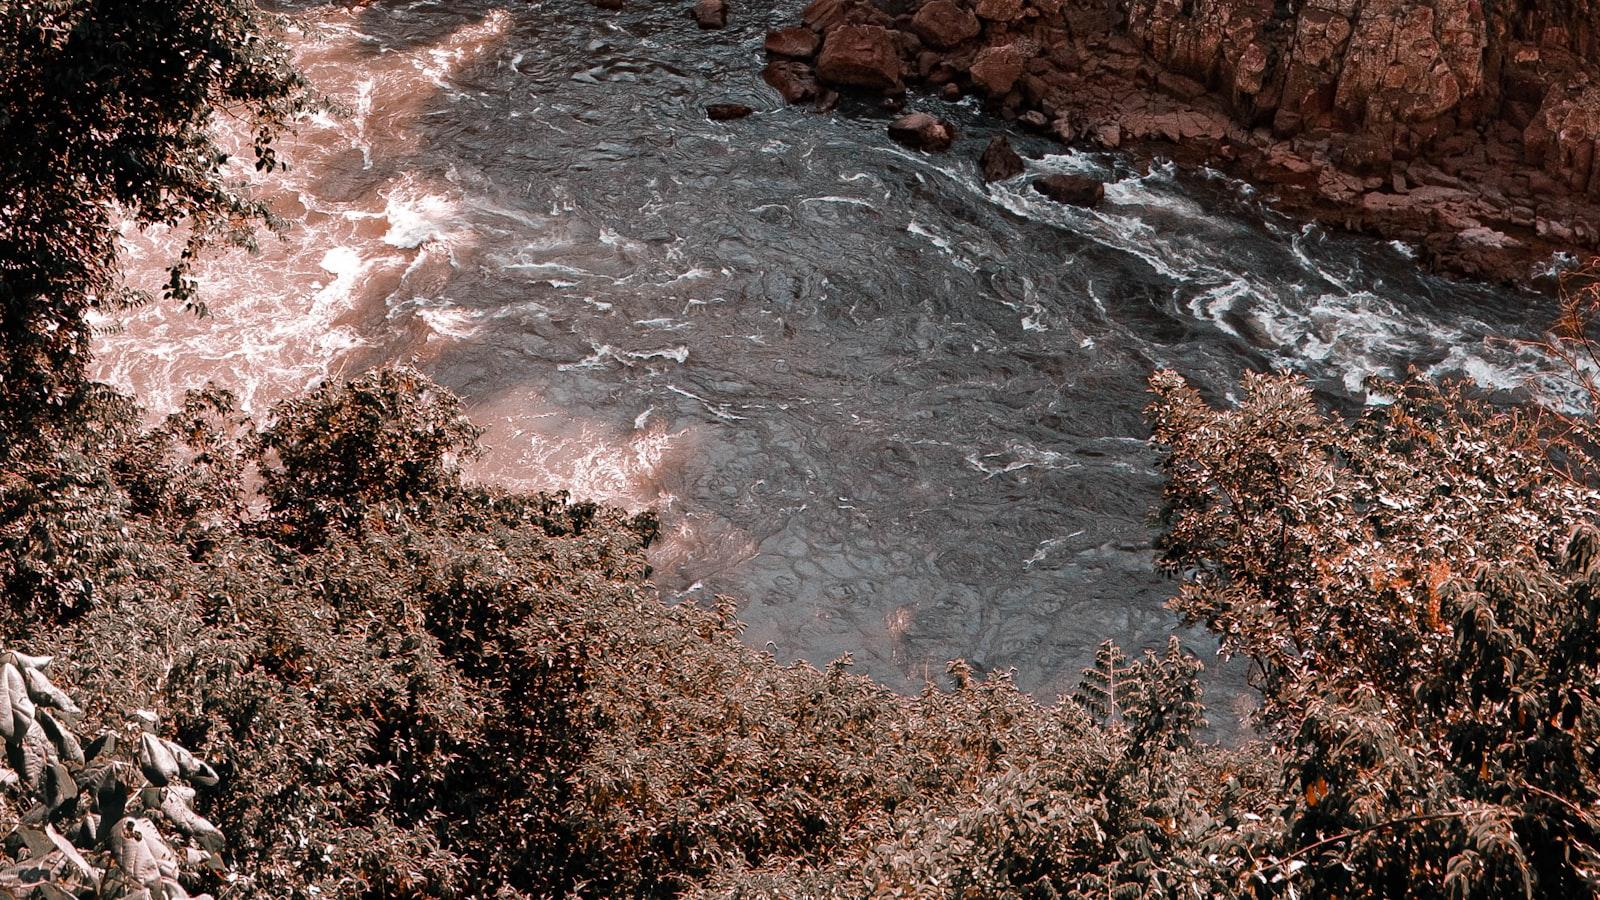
853 201
1046 547
533 447
720 410
445 321
1311 315
662 323
1016 457
287 318
1559 262
441 62
415 220
604 353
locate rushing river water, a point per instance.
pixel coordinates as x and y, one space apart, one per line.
896 412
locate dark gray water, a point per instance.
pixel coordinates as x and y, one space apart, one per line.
894 411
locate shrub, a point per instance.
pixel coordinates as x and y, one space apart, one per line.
414 687
385 441
1414 591
410 686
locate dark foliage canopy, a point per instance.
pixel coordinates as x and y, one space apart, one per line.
409 686
106 108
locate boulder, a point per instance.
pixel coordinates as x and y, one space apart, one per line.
945 24
921 131
1071 189
1000 10
711 14
724 112
996 69
863 56
826 15
798 42
999 161
794 80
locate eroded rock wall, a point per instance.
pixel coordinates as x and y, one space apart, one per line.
1470 128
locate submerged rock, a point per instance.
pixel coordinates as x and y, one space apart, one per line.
999 161
710 14
921 131
724 112
796 81
1071 189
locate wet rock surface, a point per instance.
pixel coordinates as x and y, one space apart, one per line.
1000 161
795 81
921 131
798 42
1071 189
1468 131
711 14
861 56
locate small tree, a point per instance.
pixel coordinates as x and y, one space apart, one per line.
390 437
106 110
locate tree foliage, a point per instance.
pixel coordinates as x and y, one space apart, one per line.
336 670
1416 591
460 692
106 109
410 686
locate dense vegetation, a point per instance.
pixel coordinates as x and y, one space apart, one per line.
302 658
410 686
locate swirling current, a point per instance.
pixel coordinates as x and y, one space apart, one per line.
894 411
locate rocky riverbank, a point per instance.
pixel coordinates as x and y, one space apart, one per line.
1469 131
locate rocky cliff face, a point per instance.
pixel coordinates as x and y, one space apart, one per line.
1470 128
1398 75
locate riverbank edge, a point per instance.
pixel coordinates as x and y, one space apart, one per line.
1489 181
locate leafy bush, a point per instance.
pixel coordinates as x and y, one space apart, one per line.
1416 592
337 455
106 797
459 692
407 686
410 686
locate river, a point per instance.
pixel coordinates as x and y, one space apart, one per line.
894 411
